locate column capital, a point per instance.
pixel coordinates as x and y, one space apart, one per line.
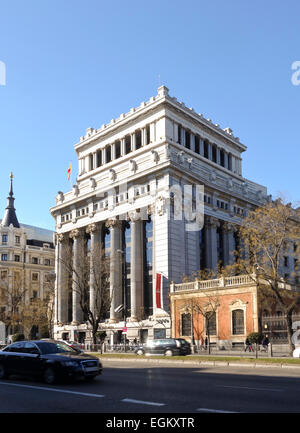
60 237
229 227
75 234
134 215
113 222
213 222
92 228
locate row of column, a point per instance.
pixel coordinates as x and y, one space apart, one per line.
91 161
231 162
116 263
211 226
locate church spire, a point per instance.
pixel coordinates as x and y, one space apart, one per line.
10 216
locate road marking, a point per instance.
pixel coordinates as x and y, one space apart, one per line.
251 388
42 388
204 409
150 403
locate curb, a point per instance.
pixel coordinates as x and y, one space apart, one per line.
209 363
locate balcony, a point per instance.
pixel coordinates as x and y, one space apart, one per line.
238 280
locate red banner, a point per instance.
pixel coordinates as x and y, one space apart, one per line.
158 290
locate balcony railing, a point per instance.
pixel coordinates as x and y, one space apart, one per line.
216 283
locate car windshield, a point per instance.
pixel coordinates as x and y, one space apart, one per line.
54 347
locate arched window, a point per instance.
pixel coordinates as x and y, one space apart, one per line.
238 322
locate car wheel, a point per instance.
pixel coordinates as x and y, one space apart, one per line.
49 375
168 352
140 352
3 373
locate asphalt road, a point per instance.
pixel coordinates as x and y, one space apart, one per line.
127 387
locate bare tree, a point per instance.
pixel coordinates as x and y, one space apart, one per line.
89 278
35 316
12 300
266 235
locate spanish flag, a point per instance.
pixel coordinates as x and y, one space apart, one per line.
69 171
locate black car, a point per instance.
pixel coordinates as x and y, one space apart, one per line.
166 346
50 360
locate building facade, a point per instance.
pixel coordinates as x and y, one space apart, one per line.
27 258
162 189
226 309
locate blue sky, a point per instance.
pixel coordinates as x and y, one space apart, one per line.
72 64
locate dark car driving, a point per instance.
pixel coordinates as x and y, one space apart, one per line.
50 360
166 346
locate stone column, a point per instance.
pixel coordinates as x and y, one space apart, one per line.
133 142
137 280
123 148
228 243
103 155
113 151
210 233
77 283
201 145
209 151
115 267
61 279
94 231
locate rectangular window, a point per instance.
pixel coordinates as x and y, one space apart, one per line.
179 134
187 140
211 323
4 239
206 149
238 322
17 258
4 257
197 144
3 275
138 139
35 276
17 240
108 154
127 144
99 158
47 262
35 261
186 324
148 134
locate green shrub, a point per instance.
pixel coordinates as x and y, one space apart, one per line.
255 337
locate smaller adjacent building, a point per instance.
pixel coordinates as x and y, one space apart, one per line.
27 259
226 309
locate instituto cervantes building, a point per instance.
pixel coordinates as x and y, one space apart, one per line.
26 259
162 188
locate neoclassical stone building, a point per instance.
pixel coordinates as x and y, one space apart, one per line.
127 197
26 258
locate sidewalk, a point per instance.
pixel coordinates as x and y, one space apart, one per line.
230 359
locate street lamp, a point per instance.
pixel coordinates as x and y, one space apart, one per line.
124 294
